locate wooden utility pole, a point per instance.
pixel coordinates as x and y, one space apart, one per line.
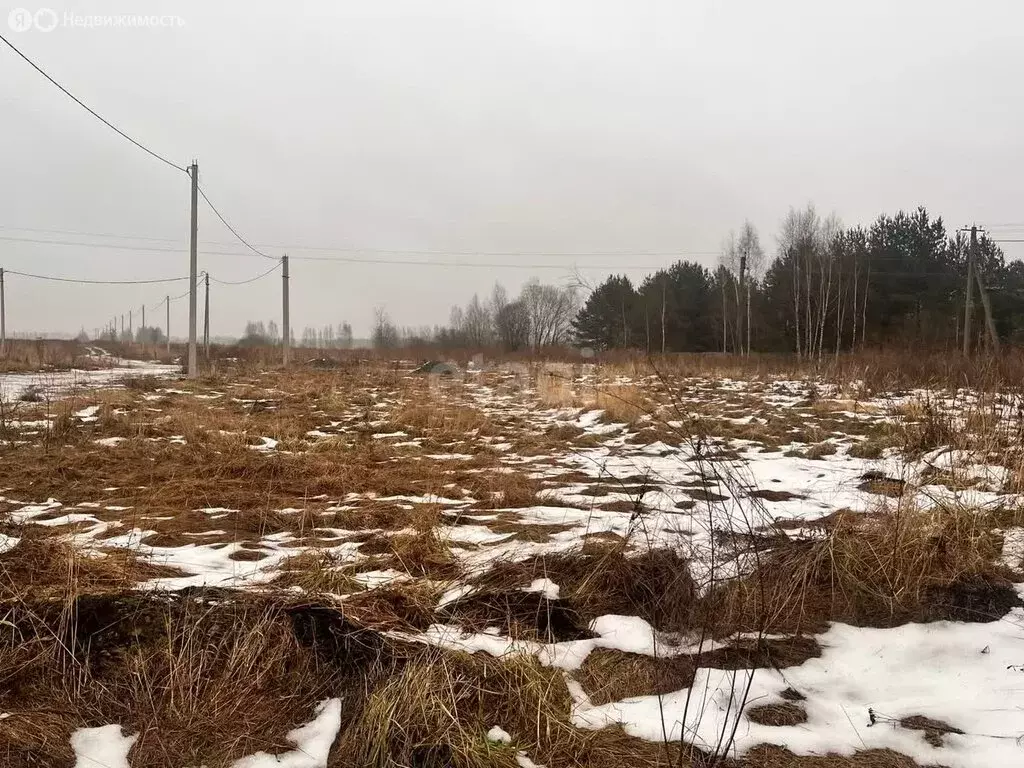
131 333
143 318
969 301
663 282
167 301
3 317
286 341
206 320
993 337
739 303
193 369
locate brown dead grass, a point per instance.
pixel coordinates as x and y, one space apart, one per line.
42 567
771 756
438 710
934 730
777 715
654 585
201 683
621 404
317 574
876 570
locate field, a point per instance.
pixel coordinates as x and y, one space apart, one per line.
687 562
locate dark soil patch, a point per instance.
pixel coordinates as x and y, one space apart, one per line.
655 585
520 614
704 495
778 715
769 495
976 600
879 483
934 730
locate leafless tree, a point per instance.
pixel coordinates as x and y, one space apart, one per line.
512 326
385 333
477 324
550 310
751 270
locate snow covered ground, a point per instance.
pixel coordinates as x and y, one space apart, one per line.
52 384
789 454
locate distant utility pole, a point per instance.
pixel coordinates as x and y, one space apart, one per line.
122 324
990 324
3 316
130 331
975 276
206 320
969 301
286 341
739 304
193 370
167 301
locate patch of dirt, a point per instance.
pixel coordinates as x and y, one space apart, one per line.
520 614
975 599
777 715
770 495
934 730
701 494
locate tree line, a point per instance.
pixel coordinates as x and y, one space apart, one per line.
900 281
540 316
258 333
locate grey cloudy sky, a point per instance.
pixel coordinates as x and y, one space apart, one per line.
621 132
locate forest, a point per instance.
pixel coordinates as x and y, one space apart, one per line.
899 282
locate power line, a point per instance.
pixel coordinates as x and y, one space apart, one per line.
250 280
241 239
85 281
89 109
391 251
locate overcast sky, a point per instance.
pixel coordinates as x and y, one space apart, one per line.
613 136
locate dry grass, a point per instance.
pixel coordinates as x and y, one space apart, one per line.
201 683
317 574
777 715
438 710
40 567
876 570
654 585
419 554
439 419
622 404
555 389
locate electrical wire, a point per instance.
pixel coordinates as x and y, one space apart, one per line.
250 280
89 109
234 232
386 251
85 281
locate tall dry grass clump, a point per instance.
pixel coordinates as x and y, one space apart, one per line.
879 570
621 403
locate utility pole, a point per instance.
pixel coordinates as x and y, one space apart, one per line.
993 337
167 302
3 316
286 341
130 331
143 318
663 302
193 370
969 301
122 325
739 304
206 320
